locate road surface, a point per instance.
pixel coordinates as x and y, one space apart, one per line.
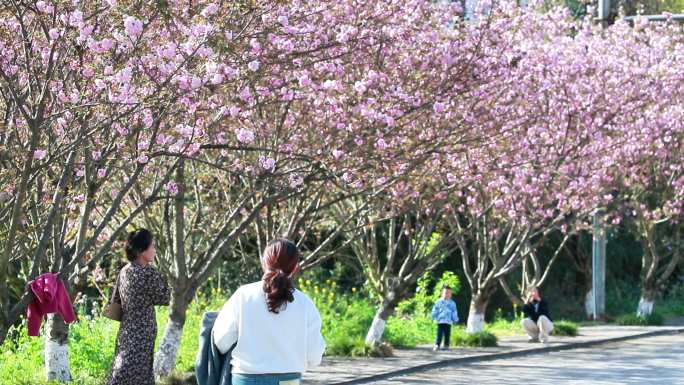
656 360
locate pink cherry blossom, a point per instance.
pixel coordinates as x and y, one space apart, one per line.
210 9
381 144
133 26
245 136
304 81
217 79
439 107
267 163
296 180
39 154
41 6
54 33
171 187
254 65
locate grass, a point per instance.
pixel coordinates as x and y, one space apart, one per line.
91 347
655 319
504 327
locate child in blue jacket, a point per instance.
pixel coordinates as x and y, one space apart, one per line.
445 314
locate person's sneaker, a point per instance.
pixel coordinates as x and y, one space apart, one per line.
435 348
544 341
446 349
533 340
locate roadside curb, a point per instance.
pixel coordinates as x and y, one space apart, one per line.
505 355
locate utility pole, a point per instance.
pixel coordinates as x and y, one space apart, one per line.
603 11
598 273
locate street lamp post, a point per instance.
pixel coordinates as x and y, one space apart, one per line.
598 259
603 11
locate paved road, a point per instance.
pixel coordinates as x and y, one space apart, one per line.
656 360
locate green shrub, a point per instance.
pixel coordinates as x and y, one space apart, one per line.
565 328
339 345
421 303
655 319
672 305
502 327
481 339
345 317
408 332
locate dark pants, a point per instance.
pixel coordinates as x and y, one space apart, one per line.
443 332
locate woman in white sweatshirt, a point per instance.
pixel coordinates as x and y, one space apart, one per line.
277 328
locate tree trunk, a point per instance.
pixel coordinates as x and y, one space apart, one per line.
478 306
3 334
167 352
377 328
589 304
57 349
646 302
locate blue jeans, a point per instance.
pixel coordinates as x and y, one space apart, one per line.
265 379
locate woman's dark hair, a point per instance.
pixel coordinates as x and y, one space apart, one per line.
280 262
138 241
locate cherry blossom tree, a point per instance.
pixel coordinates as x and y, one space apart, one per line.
395 249
93 97
559 112
649 188
310 105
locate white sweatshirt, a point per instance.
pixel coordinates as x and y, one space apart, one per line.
287 342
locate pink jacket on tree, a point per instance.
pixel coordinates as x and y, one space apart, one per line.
49 296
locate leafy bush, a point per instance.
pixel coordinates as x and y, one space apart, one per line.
481 339
504 327
672 304
408 332
655 319
565 328
339 345
421 303
345 317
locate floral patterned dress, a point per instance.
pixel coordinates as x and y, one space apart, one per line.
140 288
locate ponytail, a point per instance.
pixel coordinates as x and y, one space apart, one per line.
279 290
280 262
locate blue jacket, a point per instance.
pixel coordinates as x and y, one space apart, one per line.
444 312
211 367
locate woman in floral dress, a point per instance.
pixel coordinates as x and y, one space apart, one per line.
141 287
